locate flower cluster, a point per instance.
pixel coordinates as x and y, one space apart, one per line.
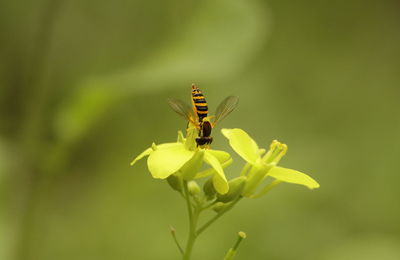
183 161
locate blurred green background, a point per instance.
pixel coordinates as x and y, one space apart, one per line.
83 86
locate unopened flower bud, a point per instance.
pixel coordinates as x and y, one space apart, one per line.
232 251
175 182
193 188
236 187
219 206
209 189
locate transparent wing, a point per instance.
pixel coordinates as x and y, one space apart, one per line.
181 108
225 108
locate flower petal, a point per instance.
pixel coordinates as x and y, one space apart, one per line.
168 159
191 167
293 176
243 144
167 145
212 171
220 155
223 157
143 154
220 183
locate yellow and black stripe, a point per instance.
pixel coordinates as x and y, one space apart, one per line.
199 103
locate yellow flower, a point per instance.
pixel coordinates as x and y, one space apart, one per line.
260 167
183 159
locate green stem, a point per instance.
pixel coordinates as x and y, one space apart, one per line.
173 233
194 212
208 206
222 212
245 169
187 198
193 217
232 251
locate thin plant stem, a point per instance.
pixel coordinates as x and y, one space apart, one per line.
245 169
173 233
193 213
222 212
187 198
193 217
208 206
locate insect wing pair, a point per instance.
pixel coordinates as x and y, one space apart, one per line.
205 125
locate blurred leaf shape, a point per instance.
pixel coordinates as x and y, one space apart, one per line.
217 41
87 106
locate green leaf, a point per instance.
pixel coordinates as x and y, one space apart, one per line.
168 159
78 114
293 176
143 154
219 180
242 144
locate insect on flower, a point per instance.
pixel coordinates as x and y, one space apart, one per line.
197 115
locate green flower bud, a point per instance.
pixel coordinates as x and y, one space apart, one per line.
242 235
219 206
209 189
236 187
193 188
175 182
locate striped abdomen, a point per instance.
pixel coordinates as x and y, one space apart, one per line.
199 103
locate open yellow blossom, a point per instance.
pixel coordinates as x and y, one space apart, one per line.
260 167
184 159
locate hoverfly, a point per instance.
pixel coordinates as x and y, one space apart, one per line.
198 113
